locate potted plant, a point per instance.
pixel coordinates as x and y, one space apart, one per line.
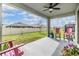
71 50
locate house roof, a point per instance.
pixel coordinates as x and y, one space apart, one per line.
18 24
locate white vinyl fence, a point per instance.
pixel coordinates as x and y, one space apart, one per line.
6 31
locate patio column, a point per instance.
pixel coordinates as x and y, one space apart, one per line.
48 26
78 26
0 22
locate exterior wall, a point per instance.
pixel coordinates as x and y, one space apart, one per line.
6 31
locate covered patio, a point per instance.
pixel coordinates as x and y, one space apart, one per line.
48 46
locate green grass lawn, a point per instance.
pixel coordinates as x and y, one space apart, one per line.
25 37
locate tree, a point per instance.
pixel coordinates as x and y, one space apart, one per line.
40 25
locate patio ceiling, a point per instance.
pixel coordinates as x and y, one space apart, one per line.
37 8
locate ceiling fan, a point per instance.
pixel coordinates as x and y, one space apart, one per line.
51 7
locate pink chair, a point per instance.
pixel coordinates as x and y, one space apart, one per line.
12 50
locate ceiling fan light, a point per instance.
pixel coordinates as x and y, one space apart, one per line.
50 9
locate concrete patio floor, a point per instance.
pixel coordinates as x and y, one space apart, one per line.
58 51
44 47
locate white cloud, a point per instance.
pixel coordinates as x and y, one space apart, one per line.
29 20
26 13
23 13
7 14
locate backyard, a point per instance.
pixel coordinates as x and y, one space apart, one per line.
24 37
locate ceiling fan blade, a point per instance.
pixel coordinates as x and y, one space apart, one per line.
50 4
55 5
45 9
56 8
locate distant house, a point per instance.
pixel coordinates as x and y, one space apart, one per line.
38 26
22 25
18 25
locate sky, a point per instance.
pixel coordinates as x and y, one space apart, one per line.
59 22
13 15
